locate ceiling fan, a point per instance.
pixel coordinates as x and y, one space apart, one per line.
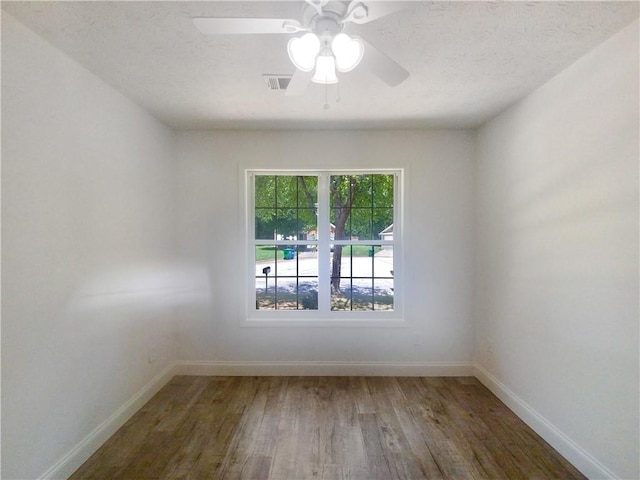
322 47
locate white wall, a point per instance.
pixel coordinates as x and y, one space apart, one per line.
557 266
88 229
97 196
438 223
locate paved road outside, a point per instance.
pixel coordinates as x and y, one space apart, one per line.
306 264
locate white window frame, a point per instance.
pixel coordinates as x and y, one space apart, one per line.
324 315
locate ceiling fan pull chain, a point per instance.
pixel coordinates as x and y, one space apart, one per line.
326 96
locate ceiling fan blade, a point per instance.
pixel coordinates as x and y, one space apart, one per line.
382 66
361 12
299 83
226 26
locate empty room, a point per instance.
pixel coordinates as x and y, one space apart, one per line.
320 240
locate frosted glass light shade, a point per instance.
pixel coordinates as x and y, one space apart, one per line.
348 51
325 70
303 51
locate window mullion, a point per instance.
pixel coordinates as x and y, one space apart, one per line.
324 248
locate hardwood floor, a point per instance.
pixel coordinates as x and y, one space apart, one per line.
332 428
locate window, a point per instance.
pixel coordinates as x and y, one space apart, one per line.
322 244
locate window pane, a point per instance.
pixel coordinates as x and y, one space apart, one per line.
265 273
307 224
308 294
383 190
300 295
383 262
286 278
287 191
382 220
265 223
287 224
341 301
362 295
361 205
362 189
354 294
354 190
363 278
360 224
307 192
266 299
334 216
265 254
383 283
297 261
265 191
383 294
362 261
340 263
297 279
286 206
339 186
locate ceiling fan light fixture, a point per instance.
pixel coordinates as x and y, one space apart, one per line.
303 51
325 70
347 50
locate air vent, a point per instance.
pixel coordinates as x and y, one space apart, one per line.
277 83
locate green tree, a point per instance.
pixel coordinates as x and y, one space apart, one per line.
285 205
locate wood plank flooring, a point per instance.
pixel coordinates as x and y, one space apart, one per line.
325 428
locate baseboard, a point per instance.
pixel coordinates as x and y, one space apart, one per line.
373 369
88 446
581 459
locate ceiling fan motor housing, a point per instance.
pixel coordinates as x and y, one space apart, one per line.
326 27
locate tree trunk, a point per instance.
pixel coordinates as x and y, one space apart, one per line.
305 190
341 214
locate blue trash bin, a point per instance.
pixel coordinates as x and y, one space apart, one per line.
288 253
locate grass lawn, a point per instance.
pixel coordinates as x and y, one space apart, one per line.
360 250
266 252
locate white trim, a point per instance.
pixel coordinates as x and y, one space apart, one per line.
79 454
358 320
323 316
371 369
575 454
324 238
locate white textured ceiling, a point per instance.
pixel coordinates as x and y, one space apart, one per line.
468 60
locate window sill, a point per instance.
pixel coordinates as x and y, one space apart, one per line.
324 322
